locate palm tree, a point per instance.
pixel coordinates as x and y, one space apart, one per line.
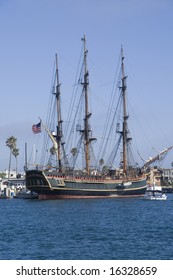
53 150
74 151
101 162
11 143
15 153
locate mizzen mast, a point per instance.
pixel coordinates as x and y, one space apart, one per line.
125 116
59 120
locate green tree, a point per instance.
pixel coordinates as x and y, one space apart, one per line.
101 162
15 153
53 150
74 151
11 144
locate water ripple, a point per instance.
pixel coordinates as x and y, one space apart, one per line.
86 229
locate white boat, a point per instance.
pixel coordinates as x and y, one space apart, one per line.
154 193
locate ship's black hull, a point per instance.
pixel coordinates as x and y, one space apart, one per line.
53 186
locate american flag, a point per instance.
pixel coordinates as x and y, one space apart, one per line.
36 128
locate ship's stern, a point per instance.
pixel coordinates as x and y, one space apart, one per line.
37 182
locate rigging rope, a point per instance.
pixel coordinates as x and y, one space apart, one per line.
108 116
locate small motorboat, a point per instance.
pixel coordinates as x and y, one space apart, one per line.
154 193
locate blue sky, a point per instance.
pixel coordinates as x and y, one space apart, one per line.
32 31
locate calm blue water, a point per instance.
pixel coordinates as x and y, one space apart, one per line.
86 229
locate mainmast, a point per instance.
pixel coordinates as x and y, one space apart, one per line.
87 114
59 126
125 116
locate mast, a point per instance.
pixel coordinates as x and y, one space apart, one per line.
87 114
125 116
59 126
26 159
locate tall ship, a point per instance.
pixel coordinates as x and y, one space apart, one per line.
65 178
